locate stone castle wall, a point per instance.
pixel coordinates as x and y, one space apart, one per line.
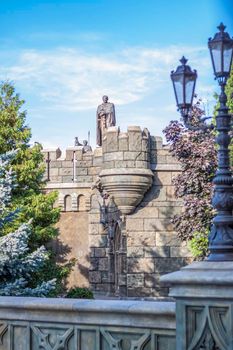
136 170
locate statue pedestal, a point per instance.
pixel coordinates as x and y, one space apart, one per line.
204 305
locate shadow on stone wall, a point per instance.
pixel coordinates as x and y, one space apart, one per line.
153 247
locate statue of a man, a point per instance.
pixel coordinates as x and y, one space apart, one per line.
86 147
105 117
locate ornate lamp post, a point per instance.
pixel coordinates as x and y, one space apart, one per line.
184 79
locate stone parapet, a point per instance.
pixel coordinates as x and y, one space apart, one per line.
85 324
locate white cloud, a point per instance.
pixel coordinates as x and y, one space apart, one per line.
73 80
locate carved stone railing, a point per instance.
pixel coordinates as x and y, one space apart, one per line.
62 324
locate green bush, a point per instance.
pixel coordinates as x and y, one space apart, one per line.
80 293
198 245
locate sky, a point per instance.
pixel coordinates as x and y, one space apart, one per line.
63 56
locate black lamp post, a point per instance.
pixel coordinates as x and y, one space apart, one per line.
221 51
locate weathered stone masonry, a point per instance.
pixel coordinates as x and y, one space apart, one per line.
136 171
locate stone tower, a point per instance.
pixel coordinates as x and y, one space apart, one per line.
117 202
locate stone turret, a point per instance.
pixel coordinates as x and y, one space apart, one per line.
125 253
126 173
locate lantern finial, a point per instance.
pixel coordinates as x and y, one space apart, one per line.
183 60
221 27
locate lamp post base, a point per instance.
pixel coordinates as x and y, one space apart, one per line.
204 300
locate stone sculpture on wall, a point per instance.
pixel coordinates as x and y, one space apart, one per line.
86 147
105 117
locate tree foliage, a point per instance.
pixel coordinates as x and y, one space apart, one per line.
196 152
29 196
17 261
28 167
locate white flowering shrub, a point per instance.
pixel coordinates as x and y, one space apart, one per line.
17 263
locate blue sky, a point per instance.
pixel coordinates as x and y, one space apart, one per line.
64 55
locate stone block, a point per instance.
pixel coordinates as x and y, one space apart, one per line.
123 142
113 156
98 241
103 287
146 212
124 164
55 178
70 152
170 204
152 280
161 159
163 152
142 164
85 178
95 277
97 161
157 252
120 164
109 165
122 279
67 164
78 154
94 229
131 155
167 239
53 172
135 138
103 264
83 163
156 193
94 264
94 218
100 252
67 179
171 160
140 265
134 224
157 225
88 156
143 156
111 142
135 252
171 193
181 252
135 280
55 164
166 265
81 171
98 152
94 170
65 171
141 239
163 178
169 212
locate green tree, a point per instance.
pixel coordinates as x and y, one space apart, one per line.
28 166
29 196
196 152
17 261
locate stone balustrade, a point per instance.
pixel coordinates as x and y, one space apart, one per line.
69 324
